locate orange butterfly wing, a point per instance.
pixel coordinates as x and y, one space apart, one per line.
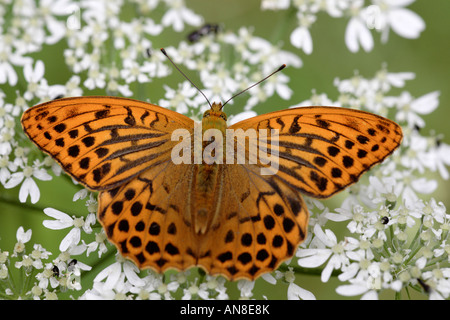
103 142
322 150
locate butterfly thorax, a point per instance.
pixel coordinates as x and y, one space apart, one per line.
207 182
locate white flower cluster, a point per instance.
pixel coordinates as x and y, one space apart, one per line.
253 58
116 53
397 240
45 278
364 16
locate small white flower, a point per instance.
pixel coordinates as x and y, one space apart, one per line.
297 293
96 79
115 273
64 221
357 34
327 249
38 254
403 21
301 38
37 85
278 83
178 14
22 237
410 108
181 100
274 4
10 58
29 186
246 288
213 285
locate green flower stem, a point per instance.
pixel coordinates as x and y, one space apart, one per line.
12 284
307 271
26 281
433 263
419 231
17 203
280 32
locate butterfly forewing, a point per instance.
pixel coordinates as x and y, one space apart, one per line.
322 150
103 141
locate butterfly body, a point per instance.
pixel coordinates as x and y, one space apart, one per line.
227 218
207 179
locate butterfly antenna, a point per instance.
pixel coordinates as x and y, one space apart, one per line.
176 67
279 69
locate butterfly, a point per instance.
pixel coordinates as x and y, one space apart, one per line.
228 219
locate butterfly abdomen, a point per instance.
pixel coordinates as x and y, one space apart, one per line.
207 178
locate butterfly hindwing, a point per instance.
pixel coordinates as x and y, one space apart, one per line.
145 218
261 223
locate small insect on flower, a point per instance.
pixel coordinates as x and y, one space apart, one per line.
55 271
208 28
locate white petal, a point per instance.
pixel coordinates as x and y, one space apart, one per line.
376 183
406 23
301 38
284 91
42 174
328 270
72 238
398 79
39 70
59 215
77 250
190 17
269 278
338 217
23 236
16 179
80 195
29 187
426 103
55 224
296 293
400 3
422 185
130 271
103 274
113 276
351 39
28 72
351 290
328 238
316 260
371 295
349 272
12 75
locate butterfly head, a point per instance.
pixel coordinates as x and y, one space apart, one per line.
215 112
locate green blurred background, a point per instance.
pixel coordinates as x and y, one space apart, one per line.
428 57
